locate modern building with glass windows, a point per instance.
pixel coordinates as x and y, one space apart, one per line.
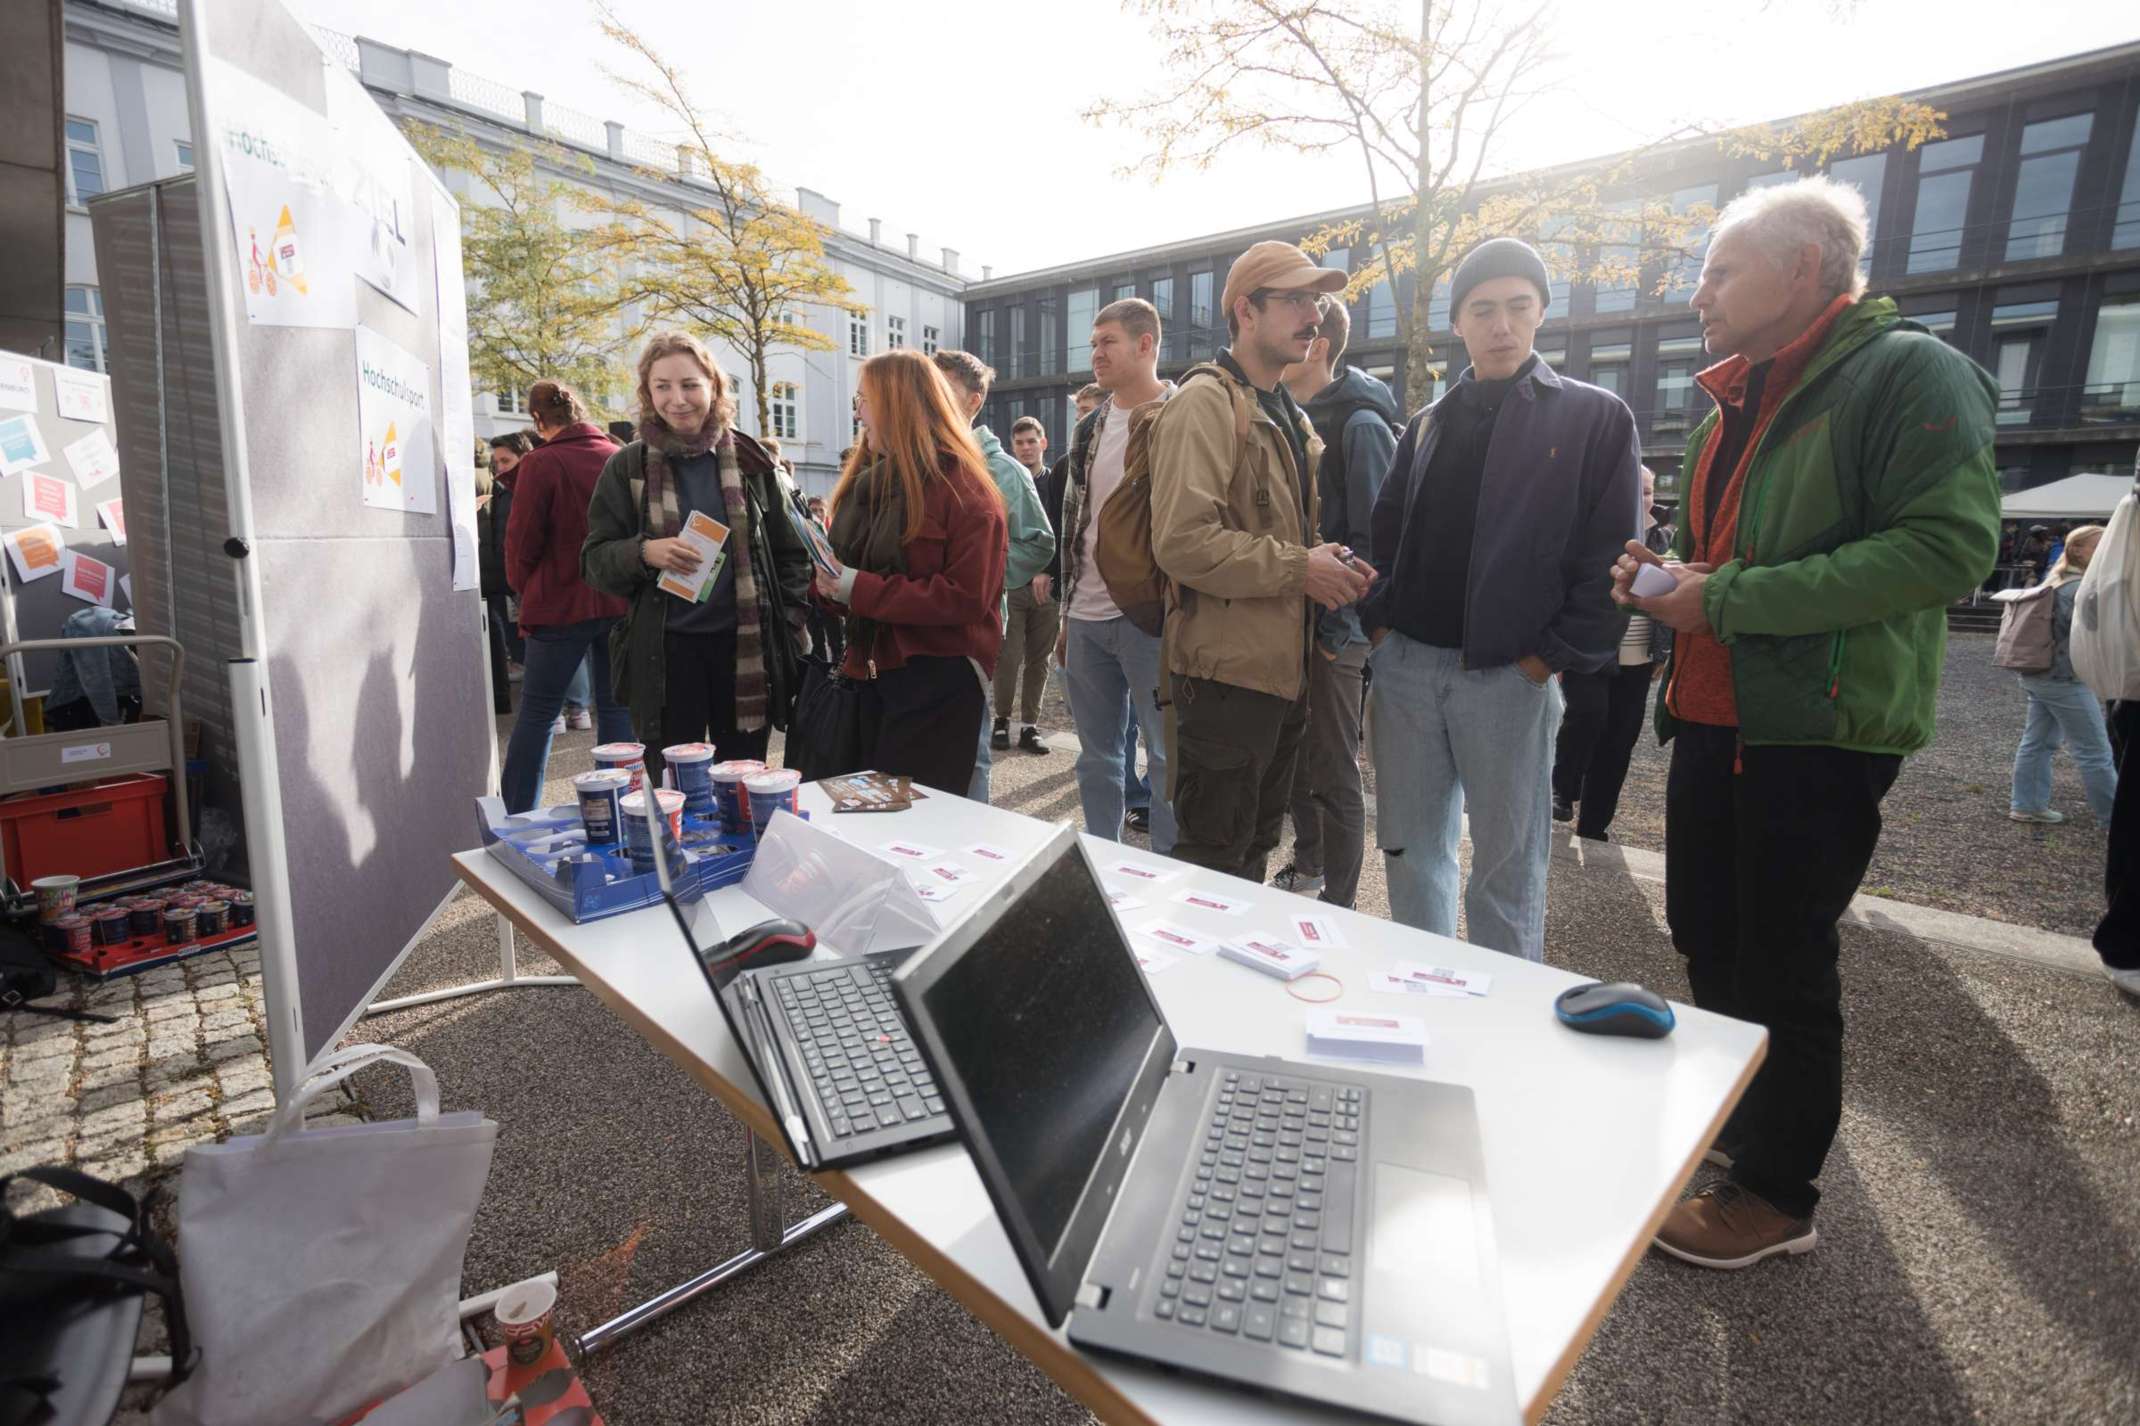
2015 236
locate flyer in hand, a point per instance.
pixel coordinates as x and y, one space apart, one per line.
708 538
821 553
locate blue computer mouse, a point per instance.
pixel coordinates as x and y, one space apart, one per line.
1616 1008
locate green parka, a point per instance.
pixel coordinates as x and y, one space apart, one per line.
610 561
1871 503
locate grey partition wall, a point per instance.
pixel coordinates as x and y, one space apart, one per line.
358 709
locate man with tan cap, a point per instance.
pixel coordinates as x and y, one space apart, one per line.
1232 517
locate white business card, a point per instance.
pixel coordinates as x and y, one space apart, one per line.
1358 1035
1143 873
949 874
1177 939
1383 983
912 851
1204 899
1151 960
1315 932
935 890
1466 982
1123 901
994 856
1271 956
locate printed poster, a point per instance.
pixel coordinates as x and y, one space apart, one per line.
22 445
35 551
48 498
394 427
82 395
90 580
293 234
374 176
93 458
113 514
18 384
457 422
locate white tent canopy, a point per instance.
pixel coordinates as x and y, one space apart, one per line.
2077 497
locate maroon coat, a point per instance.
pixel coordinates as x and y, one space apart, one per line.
551 491
947 603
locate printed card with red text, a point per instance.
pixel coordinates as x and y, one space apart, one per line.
1206 900
113 514
1177 938
87 579
1143 873
912 851
47 497
993 855
1315 931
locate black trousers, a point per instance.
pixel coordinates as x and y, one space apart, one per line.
1230 755
699 696
1760 862
923 719
1597 737
2117 935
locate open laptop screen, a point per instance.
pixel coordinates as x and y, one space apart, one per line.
1046 1023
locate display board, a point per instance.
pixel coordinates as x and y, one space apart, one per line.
352 641
62 516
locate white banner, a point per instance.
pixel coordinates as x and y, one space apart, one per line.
457 422
396 450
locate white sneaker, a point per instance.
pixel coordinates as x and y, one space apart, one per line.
2127 981
2045 818
579 720
557 725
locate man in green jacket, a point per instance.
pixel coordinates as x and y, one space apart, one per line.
1032 538
1838 499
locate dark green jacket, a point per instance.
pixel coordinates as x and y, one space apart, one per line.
616 528
1871 503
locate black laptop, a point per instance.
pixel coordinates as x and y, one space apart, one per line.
828 1048
1296 1228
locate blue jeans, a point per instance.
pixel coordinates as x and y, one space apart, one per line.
1441 731
554 654
579 693
1112 683
984 759
1136 786
2063 710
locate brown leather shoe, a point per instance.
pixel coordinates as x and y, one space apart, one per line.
1728 1226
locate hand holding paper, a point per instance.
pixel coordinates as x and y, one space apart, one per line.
707 540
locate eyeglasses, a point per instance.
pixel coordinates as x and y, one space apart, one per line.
1299 299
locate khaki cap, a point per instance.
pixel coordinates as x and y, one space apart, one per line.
1280 266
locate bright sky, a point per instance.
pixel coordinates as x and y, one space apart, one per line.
959 119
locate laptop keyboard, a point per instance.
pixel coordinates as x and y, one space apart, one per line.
1264 1248
854 1044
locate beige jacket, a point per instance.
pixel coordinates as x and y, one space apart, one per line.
1227 530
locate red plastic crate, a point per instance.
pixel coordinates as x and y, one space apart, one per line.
84 831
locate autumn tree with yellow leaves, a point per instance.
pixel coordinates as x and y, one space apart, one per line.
741 265
1422 97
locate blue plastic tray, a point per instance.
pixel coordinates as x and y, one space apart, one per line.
548 850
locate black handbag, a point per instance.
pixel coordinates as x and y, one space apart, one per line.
825 733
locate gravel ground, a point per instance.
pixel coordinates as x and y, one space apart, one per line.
1981 1240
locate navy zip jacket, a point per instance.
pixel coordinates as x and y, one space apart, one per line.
1558 501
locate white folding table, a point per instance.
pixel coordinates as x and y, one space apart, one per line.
1587 1139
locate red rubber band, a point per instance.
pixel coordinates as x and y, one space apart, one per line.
1315 999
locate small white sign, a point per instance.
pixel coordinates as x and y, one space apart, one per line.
93 458
82 395
22 445
47 497
85 753
18 384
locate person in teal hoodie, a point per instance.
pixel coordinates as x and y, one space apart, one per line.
1032 538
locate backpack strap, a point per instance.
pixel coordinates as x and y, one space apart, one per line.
139 1258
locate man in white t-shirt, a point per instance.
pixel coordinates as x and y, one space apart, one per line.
1112 667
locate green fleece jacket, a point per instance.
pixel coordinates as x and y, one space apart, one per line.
1871 503
1032 538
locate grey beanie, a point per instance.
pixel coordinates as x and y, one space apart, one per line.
1498 257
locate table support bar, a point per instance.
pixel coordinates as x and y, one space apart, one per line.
607 1335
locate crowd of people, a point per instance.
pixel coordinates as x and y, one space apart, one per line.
1253 568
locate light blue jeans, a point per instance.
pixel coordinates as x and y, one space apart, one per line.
1440 732
580 692
984 759
1114 673
2063 710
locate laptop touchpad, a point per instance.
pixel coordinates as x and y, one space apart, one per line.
1424 1305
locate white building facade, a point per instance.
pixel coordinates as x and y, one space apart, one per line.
127 123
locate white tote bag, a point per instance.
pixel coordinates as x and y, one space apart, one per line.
322 1267
2106 610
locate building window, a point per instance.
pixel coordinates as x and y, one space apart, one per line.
1019 359
2127 232
1615 288
85 328
1608 366
1678 358
2018 330
1382 311
1438 318
931 339
1163 299
895 332
858 334
1200 303
786 410
1939 323
2113 390
85 161
1945 171
1124 289
1770 180
1865 174
854 431
984 337
510 402
2043 189
185 155
1687 266
1044 356
1077 339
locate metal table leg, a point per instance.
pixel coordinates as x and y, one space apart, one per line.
769 1235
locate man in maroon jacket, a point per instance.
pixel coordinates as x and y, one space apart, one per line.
563 618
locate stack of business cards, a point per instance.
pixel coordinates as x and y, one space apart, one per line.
1271 956
1353 1035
